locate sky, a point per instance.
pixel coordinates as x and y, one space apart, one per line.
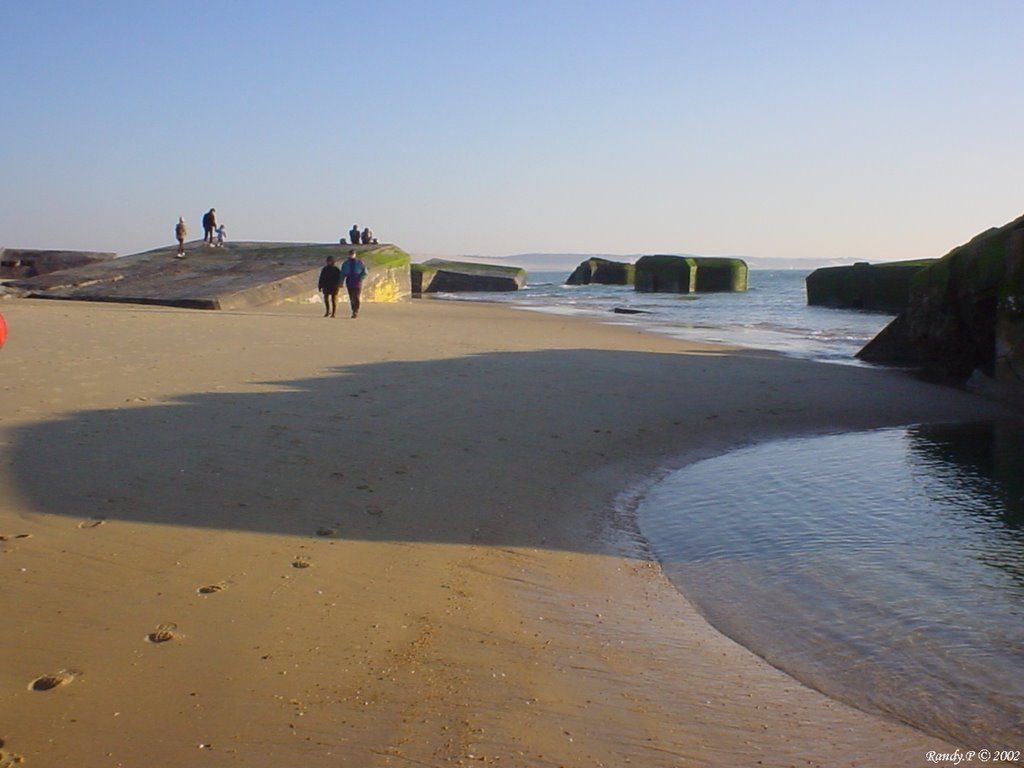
780 129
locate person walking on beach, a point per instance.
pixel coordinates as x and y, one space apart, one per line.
354 272
180 233
353 234
330 281
209 224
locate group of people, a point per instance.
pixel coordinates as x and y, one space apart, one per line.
356 237
213 234
353 272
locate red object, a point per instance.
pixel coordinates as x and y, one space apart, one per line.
3 331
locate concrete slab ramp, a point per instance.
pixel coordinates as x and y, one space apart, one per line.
235 276
29 262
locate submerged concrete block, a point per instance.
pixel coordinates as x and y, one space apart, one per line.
690 274
443 276
881 287
603 272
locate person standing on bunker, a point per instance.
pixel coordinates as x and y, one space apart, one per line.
180 233
209 224
354 272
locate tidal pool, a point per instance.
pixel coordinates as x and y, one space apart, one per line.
884 568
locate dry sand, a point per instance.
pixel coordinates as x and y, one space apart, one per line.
274 539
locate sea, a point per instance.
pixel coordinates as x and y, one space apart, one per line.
893 582
771 314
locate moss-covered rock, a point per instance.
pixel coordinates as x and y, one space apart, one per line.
1010 314
689 274
602 272
388 279
443 276
964 313
875 287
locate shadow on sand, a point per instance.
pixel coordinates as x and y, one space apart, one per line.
493 448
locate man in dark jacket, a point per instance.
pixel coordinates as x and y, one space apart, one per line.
209 224
330 281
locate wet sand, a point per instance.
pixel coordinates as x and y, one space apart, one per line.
269 538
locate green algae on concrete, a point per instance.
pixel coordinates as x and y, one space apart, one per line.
690 274
964 313
444 276
1010 315
881 287
238 275
601 271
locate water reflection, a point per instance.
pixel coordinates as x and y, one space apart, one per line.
984 458
885 568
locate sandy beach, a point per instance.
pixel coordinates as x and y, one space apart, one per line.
268 539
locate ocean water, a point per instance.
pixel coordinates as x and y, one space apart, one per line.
884 568
772 314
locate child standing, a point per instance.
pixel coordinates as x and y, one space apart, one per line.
181 232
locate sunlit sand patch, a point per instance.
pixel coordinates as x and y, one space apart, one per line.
164 633
54 680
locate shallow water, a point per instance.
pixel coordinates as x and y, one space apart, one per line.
884 568
772 314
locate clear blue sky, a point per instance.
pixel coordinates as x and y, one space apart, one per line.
875 130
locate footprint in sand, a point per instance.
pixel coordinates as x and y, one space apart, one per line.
301 562
13 536
92 522
55 680
164 633
9 759
212 589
